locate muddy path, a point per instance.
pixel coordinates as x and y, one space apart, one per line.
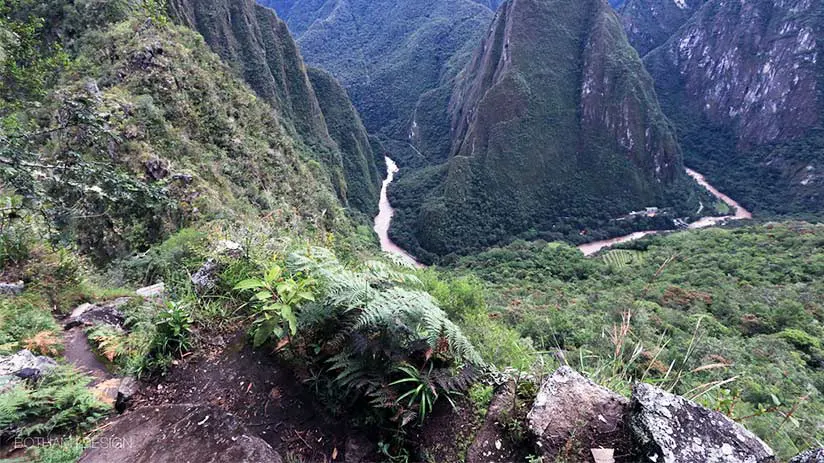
261 391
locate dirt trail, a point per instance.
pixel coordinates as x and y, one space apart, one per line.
261 391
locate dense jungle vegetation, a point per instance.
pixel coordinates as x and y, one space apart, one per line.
130 155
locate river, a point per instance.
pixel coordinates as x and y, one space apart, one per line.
740 213
384 218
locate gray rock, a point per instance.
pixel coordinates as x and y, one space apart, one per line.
671 429
358 449
810 456
572 415
12 289
23 364
127 389
206 278
153 291
107 313
156 169
176 434
230 249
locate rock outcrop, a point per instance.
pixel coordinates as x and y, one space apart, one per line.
751 64
810 456
103 313
573 415
23 365
742 81
179 433
671 429
12 289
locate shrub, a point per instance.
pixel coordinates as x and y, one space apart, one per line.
60 401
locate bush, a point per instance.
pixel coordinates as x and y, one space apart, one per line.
368 341
60 401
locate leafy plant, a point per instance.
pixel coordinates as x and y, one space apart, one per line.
420 389
173 330
276 300
60 401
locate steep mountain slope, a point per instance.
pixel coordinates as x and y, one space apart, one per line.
556 128
257 44
742 80
387 53
649 23
346 129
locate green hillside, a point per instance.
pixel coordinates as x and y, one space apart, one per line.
556 130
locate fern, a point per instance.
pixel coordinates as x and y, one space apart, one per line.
367 321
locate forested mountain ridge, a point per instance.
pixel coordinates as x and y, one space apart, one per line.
254 41
178 275
392 57
554 117
741 80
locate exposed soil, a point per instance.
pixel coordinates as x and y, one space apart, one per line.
258 389
79 353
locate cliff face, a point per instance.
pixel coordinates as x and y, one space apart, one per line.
751 64
649 23
257 44
554 117
742 81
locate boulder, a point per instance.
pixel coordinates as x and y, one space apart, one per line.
230 249
23 365
12 289
176 434
127 389
572 415
152 292
206 278
810 456
671 429
107 313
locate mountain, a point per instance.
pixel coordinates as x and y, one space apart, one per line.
649 23
388 54
555 129
257 44
492 4
741 80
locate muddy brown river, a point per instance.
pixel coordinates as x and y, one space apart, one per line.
384 218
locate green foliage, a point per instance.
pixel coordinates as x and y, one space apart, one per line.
58 402
174 326
68 450
28 62
481 396
703 311
420 388
372 341
275 303
174 258
22 318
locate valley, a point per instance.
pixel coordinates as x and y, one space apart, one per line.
384 231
